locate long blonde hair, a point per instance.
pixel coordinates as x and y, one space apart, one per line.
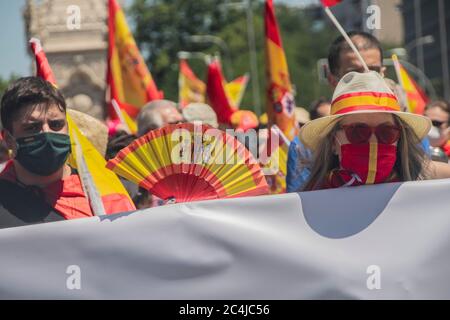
411 163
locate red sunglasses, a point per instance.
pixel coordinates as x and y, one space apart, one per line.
358 133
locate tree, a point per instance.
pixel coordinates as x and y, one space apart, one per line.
4 83
162 28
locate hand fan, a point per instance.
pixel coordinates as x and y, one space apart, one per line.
187 162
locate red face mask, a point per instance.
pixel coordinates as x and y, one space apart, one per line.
367 163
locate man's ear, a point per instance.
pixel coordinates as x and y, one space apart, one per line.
9 140
332 80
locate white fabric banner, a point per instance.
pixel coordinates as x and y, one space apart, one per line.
386 241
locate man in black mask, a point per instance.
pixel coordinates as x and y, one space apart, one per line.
37 185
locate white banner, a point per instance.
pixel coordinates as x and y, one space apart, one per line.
386 241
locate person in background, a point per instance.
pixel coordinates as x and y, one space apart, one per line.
368 140
320 108
117 142
154 115
297 173
37 185
157 114
301 116
342 59
200 112
439 114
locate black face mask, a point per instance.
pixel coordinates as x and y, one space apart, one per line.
43 153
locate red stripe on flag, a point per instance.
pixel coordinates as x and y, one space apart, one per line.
330 3
271 24
216 93
43 69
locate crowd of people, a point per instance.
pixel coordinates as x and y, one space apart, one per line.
363 135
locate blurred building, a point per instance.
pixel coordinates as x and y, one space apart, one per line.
427 34
77 53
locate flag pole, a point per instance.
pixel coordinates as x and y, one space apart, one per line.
87 181
346 37
120 115
399 77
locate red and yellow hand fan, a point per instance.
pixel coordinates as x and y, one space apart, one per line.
188 162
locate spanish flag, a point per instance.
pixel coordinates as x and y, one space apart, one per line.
129 80
235 90
99 184
217 95
330 3
191 88
416 97
280 97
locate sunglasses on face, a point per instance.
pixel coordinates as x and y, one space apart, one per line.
437 123
358 133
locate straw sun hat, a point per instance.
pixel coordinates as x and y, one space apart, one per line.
95 130
358 93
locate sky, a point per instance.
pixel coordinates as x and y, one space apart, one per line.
13 54
13 45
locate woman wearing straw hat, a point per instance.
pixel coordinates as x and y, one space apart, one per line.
367 139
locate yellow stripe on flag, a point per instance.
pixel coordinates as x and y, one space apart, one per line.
105 180
373 155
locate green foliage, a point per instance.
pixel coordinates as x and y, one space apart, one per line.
5 82
162 28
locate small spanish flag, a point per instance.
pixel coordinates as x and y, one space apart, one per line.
129 80
280 95
191 89
416 97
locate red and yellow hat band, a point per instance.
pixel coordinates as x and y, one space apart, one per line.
364 101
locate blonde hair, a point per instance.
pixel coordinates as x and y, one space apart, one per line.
411 163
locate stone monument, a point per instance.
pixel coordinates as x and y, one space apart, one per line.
74 35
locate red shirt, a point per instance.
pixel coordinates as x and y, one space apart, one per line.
68 198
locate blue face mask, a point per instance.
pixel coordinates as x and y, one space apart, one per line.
44 153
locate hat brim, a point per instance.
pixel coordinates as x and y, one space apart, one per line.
312 133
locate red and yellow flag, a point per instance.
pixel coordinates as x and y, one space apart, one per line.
235 90
129 80
99 183
416 97
191 88
217 95
280 96
330 3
